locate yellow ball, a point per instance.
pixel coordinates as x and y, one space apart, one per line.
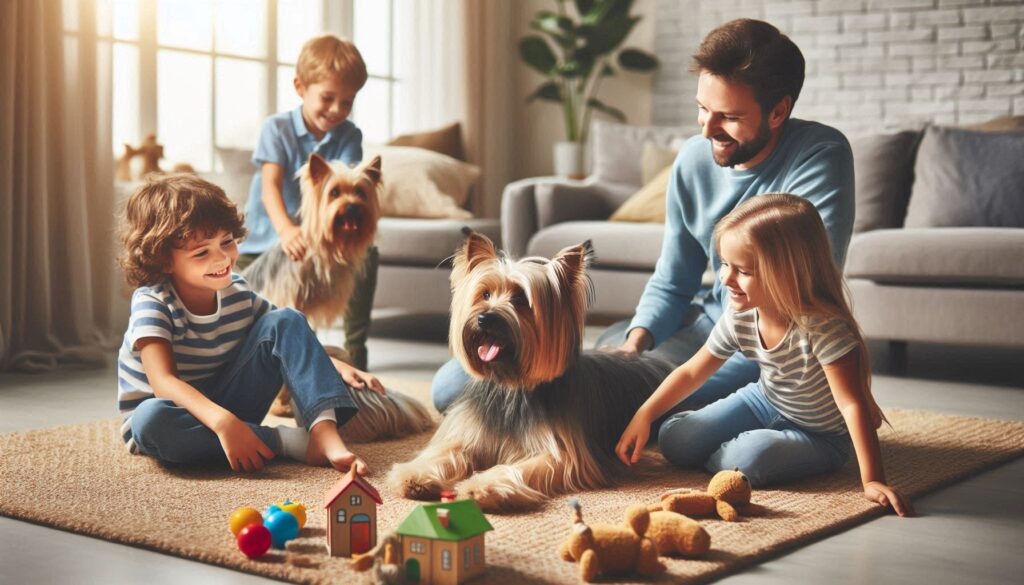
243 517
296 509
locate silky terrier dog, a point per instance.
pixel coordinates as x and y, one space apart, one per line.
540 417
338 217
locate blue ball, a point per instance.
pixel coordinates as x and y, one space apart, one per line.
270 511
282 526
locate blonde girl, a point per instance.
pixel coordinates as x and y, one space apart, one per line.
812 403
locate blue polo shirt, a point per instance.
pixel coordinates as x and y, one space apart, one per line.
285 140
811 160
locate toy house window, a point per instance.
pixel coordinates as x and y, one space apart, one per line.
356 500
446 560
476 553
417 547
341 516
465 558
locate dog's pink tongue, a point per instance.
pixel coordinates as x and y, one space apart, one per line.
488 351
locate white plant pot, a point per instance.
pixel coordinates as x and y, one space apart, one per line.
569 160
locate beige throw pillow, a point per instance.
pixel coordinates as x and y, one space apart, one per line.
422 183
648 204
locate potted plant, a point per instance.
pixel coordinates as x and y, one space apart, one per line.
575 51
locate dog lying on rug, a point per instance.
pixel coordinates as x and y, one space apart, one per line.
339 213
541 417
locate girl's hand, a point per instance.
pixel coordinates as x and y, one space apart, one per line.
358 379
634 437
886 496
292 242
242 447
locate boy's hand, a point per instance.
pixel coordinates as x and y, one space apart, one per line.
358 379
634 437
293 243
242 447
887 496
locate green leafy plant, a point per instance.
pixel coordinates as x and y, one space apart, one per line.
576 51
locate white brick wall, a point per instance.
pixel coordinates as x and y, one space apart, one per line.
871 64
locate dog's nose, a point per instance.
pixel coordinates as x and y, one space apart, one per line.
486 320
352 209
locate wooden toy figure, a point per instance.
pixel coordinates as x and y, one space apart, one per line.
443 543
351 516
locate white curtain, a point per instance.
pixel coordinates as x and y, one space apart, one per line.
454 60
59 298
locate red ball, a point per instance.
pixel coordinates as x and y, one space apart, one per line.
254 540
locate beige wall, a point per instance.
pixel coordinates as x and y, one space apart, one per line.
540 124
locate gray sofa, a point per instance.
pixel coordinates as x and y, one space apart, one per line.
950 276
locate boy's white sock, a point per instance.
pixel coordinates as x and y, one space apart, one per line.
294 442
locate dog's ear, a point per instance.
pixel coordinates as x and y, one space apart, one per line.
572 263
477 248
372 169
318 168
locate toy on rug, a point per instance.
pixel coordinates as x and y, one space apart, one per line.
677 535
352 519
606 549
727 495
255 532
151 152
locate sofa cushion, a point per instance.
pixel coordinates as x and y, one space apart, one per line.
616 245
648 204
967 178
618 149
426 242
447 141
939 256
883 166
423 183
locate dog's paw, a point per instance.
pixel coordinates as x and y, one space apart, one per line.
485 494
413 484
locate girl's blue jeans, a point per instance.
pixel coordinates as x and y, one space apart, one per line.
735 373
744 431
280 348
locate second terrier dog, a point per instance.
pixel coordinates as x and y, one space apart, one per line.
541 417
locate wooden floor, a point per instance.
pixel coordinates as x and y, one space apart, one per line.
970 532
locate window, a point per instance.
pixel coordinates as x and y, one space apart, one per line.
356 500
204 74
341 516
446 560
418 547
465 558
476 553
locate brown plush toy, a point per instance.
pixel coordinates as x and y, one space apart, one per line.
606 549
677 535
728 494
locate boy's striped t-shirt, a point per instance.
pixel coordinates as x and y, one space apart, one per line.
201 343
792 377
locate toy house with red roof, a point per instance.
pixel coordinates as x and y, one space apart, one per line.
351 516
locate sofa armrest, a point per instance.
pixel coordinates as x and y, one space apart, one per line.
530 205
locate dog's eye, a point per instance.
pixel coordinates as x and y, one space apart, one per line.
519 300
487 295
335 192
360 193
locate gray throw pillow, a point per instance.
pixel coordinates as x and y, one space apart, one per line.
967 178
618 149
883 165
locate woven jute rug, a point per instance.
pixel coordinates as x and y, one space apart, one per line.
81 479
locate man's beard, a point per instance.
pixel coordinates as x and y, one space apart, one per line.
744 151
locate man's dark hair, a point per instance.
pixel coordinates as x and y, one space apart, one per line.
757 54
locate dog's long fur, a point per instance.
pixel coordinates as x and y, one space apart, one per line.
541 417
338 213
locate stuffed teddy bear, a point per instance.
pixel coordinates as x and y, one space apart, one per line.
728 494
606 549
676 535
151 152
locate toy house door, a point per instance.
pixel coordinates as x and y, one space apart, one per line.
360 534
412 571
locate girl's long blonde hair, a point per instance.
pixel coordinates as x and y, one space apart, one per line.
795 263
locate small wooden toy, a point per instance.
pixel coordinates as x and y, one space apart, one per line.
351 516
243 517
283 527
443 543
254 540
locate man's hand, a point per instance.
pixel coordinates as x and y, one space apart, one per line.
242 447
358 379
293 243
638 341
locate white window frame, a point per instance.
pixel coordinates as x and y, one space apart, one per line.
341 517
339 17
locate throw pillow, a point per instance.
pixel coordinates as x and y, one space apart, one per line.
618 149
422 183
883 167
648 204
966 178
654 160
447 141
236 178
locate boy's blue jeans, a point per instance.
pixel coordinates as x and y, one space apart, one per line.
745 431
735 373
280 348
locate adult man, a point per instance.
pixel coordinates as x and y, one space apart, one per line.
749 77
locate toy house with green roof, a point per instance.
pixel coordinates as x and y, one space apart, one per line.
443 544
